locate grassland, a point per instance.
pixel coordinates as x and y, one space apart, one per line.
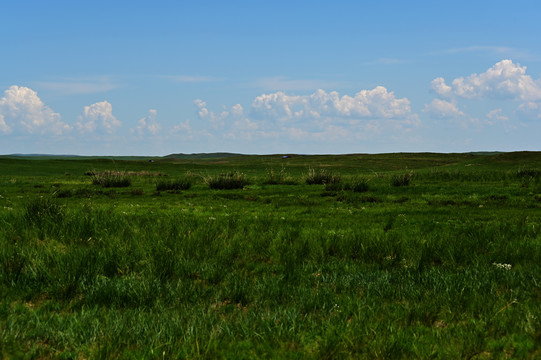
397 256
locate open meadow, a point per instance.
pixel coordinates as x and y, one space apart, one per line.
339 256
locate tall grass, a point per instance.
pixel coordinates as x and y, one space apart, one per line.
450 271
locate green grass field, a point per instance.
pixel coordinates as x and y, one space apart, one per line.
383 256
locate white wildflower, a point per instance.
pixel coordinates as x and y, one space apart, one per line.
503 266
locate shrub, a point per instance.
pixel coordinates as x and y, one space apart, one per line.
401 180
175 185
321 176
111 179
230 180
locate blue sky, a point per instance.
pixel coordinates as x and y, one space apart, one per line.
154 78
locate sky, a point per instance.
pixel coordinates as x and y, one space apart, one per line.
312 77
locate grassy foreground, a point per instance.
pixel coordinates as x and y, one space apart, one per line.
353 256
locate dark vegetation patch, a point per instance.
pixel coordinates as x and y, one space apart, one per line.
176 184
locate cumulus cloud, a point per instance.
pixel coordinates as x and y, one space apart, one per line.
148 124
375 103
442 109
22 110
217 120
98 117
320 115
504 80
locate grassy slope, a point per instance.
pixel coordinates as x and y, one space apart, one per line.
285 271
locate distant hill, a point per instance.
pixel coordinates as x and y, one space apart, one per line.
218 155
41 155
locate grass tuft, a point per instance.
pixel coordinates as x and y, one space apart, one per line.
226 181
278 178
42 209
111 179
321 177
402 180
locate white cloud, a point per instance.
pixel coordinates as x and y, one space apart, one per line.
317 116
184 127
98 117
504 80
148 124
496 115
439 86
217 120
376 103
530 111
22 110
442 109
3 126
